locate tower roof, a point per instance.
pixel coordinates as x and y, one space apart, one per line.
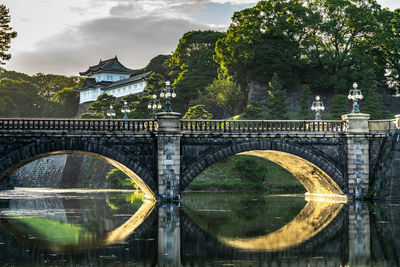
110 65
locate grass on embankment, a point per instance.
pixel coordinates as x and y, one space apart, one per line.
246 173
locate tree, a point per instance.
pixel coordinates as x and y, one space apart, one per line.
276 103
102 104
49 84
6 34
263 40
119 180
193 66
372 102
197 113
304 105
158 64
20 99
155 83
68 100
89 115
253 111
339 106
226 94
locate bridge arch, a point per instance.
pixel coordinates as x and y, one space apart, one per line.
318 174
118 157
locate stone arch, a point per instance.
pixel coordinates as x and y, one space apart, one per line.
327 179
129 164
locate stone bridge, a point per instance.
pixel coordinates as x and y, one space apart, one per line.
330 158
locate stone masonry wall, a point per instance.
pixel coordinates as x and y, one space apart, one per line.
44 172
386 179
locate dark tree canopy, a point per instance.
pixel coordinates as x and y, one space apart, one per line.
193 66
327 44
6 34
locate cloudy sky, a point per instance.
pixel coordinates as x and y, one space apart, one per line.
66 36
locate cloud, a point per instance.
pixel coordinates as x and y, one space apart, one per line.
134 40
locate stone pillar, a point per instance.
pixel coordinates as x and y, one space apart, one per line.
359 235
397 121
169 156
357 154
169 235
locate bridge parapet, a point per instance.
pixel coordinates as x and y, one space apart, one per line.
146 125
384 125
251 126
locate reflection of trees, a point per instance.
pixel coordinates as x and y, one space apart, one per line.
241 215
91 213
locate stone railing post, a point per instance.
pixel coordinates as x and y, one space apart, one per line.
397 121
168 156
357 154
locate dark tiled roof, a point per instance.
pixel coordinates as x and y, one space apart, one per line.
91 83
105 85
109 65
128 80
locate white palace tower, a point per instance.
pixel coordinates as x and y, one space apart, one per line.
111 77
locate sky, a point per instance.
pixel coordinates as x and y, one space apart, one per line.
66 37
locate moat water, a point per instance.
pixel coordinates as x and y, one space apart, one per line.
108 227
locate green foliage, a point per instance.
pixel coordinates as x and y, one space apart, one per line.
250 169
103 103
339 106
327 44
60 100
253 111
92 116
192 65
49 84
6 34
372 102
276 103
119 180
158 64
304 105
223 175
226 94
155 83
19 99
68 99
197 113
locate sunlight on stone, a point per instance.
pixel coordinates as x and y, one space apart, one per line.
148 193
316 181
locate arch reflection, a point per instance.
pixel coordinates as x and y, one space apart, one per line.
72 222
311 220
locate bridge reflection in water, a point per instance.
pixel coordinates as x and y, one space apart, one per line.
332 233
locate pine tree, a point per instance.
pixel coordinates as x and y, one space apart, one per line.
6 34
197 113
276 103
372 101
339 106
303 110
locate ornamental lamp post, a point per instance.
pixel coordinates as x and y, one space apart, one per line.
317 106
111 112
355 95
168 93
125 109
154 104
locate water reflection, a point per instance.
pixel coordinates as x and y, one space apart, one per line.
205 229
